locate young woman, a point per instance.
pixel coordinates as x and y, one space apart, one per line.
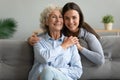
74 25
56 56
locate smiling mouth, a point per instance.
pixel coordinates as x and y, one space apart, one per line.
58 24
71 26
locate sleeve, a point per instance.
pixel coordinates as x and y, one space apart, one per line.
44 54
75 69
95 51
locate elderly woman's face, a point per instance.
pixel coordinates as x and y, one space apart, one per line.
55 21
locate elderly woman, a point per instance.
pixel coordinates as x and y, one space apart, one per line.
55 56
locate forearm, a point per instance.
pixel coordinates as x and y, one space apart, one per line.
94 52
95 57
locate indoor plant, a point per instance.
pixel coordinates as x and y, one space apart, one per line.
108 21
7 27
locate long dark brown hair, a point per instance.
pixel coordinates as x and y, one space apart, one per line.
82 24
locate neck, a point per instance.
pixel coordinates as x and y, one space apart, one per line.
55 35
76 33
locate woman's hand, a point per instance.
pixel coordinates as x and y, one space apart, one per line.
79 46
33 39
69 41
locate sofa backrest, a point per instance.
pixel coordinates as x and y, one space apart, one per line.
111 46
110 69
16 59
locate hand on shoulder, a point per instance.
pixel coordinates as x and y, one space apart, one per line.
69 41
33 39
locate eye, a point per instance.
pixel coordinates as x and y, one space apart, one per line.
66 18
74 17
53 16
60 17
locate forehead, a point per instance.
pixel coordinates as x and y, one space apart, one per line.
71 12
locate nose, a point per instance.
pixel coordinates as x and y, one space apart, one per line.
57 19
71 21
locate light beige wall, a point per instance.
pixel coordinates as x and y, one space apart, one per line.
26 12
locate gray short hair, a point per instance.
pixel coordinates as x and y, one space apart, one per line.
45 14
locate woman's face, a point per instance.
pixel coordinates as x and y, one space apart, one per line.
55 21
71 20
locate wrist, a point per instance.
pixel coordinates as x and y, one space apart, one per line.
64 46
80 48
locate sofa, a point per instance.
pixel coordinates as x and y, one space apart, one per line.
17 56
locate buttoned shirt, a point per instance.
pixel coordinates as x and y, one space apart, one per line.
49 52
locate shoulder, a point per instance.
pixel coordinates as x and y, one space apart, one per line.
82 32
41 34
73 48
42 37
86 35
